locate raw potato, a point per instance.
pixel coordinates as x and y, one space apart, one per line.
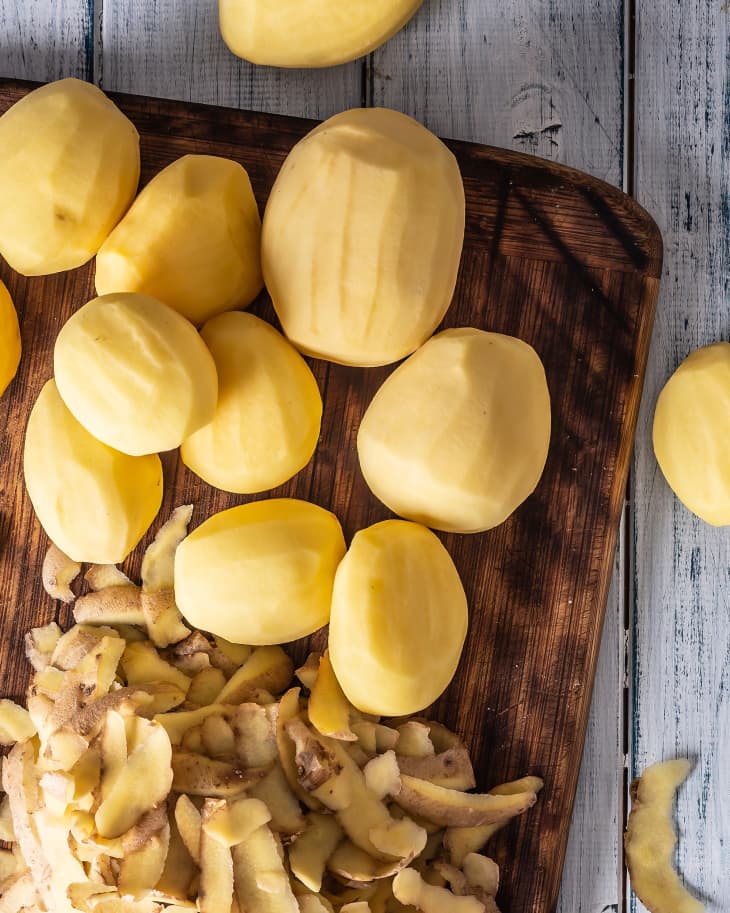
72 477
261 573
69 170
310 33
691 432
267 421
358 277
10 346
650 840
399 619
192 239
135 373
457 437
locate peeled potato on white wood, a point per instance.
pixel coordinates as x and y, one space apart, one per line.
310 33
362 237
398 621
692 433
68 171
457 437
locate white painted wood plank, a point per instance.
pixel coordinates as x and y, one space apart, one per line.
173 49
681 624
545 79
44 40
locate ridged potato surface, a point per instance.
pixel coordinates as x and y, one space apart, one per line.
135 373
310 33
362 237
398 621
457 437
192 239
260 573
267 420
94 502
691 433
69 170
10 346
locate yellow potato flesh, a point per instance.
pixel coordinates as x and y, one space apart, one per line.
269 409
94 502
398 621
692 433
69 170
362 237
135 373
9 339
310 33
192 238
261 573
457 437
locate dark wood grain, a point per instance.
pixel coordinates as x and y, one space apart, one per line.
551 255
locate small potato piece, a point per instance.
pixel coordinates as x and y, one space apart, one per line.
15 723
69 170
410 889
457 437
446 807
158 562
261 882
142 664
310 33
267 667
192 239
10 345
206 686
328 709
233 822
357 277
40 644
650 840
397 598
59 572
285 812
691 430
135 373
197 775
215 893
65 467
267 421
261 573
309 853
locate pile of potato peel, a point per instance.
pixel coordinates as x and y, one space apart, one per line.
157 768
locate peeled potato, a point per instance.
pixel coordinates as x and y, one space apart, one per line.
457 437
135 373
362 237
68 171
266 425
399 619
260 573
692 433
94 502
310 33
192 238
9 339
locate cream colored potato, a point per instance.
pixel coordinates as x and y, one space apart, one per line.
94 502
9 339
692 433
457 437
362 237
310 33
135 373
68 171
192 239
398 620
266 424
260 573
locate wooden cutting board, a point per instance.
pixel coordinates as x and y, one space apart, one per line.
554 256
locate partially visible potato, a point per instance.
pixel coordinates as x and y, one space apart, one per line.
310 33
269 410
68 171
94 502
457 437
192 238
362 237
692 433
398 621
9 339
135 373
261 573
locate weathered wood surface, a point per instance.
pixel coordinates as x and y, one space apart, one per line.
681 619
550 255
